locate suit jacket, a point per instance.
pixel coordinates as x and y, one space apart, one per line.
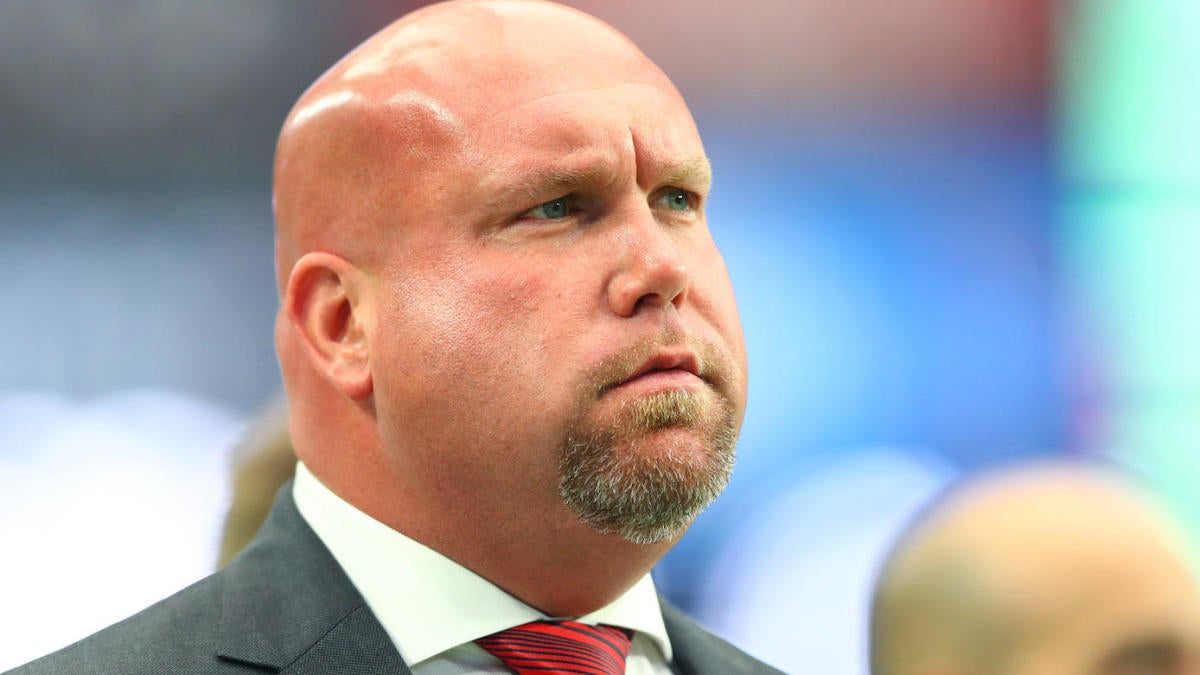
285 606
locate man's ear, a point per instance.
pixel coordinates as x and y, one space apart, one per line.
326 303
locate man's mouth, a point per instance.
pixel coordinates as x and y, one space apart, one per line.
667 369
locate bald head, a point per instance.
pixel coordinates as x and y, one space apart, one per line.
1050 569
393 119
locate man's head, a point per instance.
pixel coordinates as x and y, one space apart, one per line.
1053 570
504 319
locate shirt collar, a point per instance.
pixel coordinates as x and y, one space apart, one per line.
421 608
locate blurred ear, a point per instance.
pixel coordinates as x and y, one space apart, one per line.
326 303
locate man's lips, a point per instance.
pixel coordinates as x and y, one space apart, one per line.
664 369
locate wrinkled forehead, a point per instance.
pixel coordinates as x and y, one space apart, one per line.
626 130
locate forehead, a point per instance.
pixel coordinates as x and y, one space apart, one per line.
501 90
630 129
524 73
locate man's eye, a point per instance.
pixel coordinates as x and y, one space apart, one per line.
675 199
551 210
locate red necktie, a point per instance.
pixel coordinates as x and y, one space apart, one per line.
560 647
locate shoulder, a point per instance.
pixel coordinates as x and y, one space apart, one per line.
283 599
177 634
699 652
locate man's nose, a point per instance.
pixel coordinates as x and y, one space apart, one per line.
651 272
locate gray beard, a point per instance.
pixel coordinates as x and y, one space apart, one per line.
649 496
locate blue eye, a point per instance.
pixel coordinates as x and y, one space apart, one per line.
551 210
675 199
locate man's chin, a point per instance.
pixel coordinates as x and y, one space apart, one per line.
649 473
646 492
680 445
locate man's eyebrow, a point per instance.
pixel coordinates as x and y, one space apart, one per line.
555 181
548 183
692 172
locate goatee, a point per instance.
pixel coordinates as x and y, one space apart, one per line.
646 472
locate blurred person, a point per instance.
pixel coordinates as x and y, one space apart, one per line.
514 367
1038 570
262 463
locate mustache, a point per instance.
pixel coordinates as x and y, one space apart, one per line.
713 365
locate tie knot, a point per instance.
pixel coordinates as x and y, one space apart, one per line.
551 647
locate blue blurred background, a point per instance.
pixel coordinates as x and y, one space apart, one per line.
912 199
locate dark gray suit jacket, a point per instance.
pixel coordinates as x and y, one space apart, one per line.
285 606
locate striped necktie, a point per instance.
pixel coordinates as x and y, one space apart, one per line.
554 647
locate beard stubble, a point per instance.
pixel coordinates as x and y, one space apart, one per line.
645 472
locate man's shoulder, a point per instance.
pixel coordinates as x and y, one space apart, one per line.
699 651
283 602
176 635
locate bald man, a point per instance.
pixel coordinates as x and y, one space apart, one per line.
1051 570
514 367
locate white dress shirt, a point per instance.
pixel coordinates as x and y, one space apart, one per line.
433 608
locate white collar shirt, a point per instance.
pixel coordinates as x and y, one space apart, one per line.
436 608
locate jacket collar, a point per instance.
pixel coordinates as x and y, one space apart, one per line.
287 605
698 652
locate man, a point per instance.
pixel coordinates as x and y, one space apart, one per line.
1041 570
513 361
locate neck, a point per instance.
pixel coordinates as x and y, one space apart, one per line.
557 565
568 575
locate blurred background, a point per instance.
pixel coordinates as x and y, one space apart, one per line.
961 234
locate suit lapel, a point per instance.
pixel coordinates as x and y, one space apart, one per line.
357 644
698 652
287 605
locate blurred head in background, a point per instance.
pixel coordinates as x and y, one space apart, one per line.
1038 570
262 462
